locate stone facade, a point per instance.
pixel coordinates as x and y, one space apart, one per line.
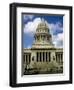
43 53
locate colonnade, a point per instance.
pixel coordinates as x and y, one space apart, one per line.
59 57
27 58
43 56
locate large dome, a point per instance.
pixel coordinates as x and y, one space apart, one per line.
42 25
42 36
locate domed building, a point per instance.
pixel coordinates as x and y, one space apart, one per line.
43 56
43 38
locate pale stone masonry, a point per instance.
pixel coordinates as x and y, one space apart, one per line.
42 49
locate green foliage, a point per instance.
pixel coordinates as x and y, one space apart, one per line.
45 68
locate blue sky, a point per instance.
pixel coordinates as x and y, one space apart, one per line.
30 22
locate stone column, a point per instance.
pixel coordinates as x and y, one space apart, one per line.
57 58
38 57
28 58
60 57
45 56
49 57
25 58
52 55
42 56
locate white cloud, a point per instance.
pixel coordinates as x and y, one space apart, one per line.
31 26
57 27
60 36
58 40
